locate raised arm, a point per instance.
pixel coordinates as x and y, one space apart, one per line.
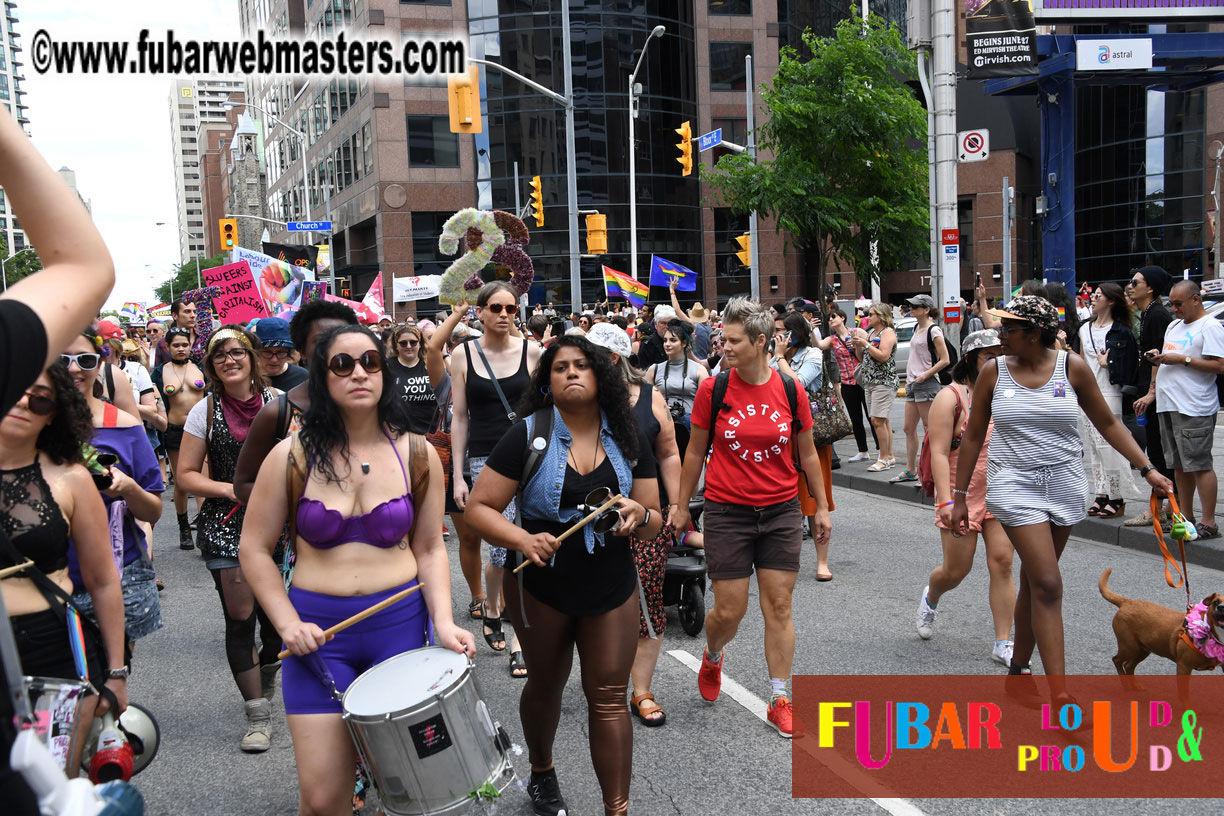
435 350
77 274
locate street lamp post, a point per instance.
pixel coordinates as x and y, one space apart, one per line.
658 31
301 137
3 261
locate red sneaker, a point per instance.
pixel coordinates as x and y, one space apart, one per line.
782 718
709 677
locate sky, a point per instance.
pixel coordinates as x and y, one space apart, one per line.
115 131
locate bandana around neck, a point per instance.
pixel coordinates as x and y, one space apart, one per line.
1199 629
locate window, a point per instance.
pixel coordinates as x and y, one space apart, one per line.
733 130
430 142
727 65
730 6
4 87
367 148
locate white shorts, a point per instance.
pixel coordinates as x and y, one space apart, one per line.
1022 496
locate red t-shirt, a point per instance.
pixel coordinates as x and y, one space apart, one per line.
750 460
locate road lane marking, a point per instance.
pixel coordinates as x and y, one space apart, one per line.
756 706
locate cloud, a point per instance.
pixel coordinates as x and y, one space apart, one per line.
115 131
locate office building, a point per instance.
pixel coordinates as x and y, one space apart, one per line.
195 104
11 93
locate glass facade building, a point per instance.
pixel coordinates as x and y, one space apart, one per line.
526 127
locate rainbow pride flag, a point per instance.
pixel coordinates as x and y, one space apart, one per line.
618 284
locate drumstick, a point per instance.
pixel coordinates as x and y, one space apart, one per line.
594 513
362 615
7 571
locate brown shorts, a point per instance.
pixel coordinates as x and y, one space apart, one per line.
739 538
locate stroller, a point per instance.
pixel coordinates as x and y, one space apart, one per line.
684 579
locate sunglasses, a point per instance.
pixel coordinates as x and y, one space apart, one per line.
234 354
85 362
1005 330
409 343
1176 304
342 365
496 308
39 404
1135 282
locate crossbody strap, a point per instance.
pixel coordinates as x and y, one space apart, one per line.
513 417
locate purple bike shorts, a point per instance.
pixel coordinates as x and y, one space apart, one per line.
401 627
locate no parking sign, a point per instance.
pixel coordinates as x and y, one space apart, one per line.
973 145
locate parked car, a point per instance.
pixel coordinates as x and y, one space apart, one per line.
904 326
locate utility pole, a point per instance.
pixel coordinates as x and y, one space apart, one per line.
1008 212
753 248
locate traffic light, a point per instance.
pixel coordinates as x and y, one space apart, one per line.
229 233
685 131
597 234
463 99
537 201
745 252
342 287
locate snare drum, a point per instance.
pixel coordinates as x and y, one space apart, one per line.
425 734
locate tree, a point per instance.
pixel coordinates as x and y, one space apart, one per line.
24 265
845 152
185 278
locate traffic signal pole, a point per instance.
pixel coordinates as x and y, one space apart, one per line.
754 274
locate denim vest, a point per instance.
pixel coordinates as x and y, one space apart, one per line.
542 495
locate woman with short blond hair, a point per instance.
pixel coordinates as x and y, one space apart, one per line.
876 348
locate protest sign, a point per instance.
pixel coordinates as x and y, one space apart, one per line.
238 300
416 287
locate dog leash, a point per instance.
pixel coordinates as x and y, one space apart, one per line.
1181 535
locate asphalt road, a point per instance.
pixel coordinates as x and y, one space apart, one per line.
706 759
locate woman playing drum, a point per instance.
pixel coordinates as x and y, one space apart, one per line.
362 536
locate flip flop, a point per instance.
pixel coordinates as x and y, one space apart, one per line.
635 705
517 665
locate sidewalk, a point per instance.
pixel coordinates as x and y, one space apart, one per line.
1110 531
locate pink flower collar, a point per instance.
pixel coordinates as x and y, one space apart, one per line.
1201 635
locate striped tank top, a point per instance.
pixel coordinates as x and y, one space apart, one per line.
1035 427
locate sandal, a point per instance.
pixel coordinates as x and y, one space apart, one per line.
1112 509
517 665
904 476
635 706
476 608
879 466
1098 506
1208 531
493 634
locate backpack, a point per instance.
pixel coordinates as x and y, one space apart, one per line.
926 476
944 374
718 403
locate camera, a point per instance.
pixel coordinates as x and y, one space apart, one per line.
676 408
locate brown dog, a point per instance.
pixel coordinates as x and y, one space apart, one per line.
1143 628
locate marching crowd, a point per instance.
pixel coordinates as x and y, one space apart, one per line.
356 443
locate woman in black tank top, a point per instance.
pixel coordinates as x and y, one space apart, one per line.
482 417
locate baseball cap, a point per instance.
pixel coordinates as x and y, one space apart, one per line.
922 300
109 330
1031 309
273 332
611 337
986 338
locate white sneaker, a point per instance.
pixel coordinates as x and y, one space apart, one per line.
1003 652
858 457
926 617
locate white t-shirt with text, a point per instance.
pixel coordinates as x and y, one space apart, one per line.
1183 389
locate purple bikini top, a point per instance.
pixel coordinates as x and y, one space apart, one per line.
384 526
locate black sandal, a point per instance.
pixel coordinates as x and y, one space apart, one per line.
493 634
1112 509
518 665
1098 506
476 608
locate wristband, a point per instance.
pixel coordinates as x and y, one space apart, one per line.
1145 470
947 504
957 492
646 518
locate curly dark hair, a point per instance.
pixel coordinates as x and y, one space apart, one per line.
71 425
318 309
324 435
800 329
611 391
